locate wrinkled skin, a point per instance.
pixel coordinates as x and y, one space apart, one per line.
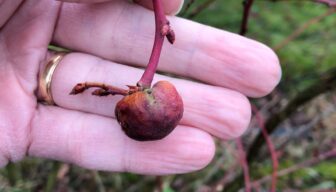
150 114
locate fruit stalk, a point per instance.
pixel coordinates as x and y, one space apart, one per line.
146 113
162 29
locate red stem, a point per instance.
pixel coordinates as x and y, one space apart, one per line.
308 163
162 29
270 146
244 164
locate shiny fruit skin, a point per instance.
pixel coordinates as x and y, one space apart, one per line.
150 114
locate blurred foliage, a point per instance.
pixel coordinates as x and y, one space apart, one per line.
273 21
302 59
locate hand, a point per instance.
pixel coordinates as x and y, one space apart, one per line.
106 36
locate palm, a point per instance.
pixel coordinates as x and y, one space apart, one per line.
24 41
82 129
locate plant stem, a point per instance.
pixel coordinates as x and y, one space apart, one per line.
247 8
244 164
308 163
162 29
303 27
103 90
270 145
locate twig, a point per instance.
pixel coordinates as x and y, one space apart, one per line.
244 24
325 82
270 146
243 29
102 89
244 164
307 163
302 28
230 175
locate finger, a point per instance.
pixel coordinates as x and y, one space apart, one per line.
19 37
171 7
200 52
96 142
7 8
221 112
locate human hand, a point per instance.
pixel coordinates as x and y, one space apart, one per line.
106 36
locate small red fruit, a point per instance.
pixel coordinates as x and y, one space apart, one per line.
150 114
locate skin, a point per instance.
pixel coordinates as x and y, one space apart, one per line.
82 129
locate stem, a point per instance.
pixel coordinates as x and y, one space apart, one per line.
162 29
270 145
103 90
244 164
244 24
308 163
302 29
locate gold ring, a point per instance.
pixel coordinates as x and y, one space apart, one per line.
46 77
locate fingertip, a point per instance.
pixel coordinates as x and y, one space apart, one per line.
271 71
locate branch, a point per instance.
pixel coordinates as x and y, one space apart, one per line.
244 24
302 28
271 148
307 163
325 82
244 164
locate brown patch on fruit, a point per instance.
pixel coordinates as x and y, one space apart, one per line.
150 114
